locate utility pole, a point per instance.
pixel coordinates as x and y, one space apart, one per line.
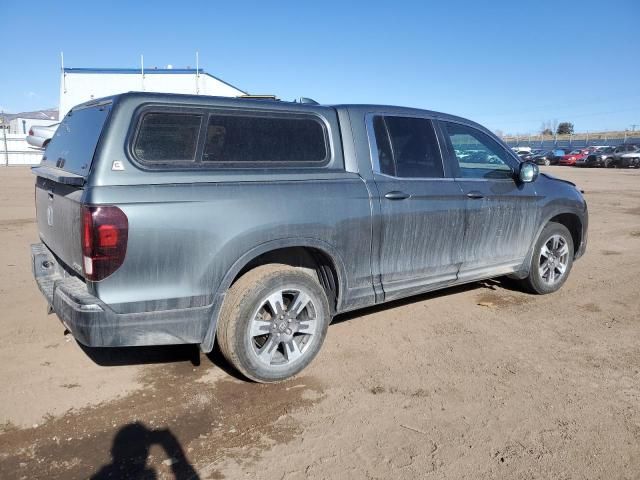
4 135
633 126
197 73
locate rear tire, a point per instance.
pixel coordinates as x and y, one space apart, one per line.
273 322
551 260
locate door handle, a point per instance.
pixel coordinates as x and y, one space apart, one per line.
396 195
475 194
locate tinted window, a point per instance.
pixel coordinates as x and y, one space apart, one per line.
385 157
243 139
74 143
407 147
167 137
478 155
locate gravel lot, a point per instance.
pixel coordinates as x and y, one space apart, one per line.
473 382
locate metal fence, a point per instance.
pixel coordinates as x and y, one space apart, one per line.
14 150
581 140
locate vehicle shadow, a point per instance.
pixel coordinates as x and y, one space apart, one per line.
121 356
130 450
491 284
118 356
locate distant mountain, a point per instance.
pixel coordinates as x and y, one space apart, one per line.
46 114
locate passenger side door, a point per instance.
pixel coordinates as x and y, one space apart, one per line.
502 213
422 222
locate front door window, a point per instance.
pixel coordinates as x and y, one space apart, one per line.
477 154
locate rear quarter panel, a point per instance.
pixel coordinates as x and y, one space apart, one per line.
184 238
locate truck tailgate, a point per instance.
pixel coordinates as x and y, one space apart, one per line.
61 177
59 216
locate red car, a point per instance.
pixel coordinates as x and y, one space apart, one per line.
573 156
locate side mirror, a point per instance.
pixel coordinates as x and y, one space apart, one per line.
528 172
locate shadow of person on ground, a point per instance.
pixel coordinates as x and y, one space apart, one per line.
130 451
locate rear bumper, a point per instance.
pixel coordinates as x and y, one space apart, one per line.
94 324
628 162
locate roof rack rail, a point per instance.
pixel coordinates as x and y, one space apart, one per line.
259 97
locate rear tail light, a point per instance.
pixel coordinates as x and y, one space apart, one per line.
105 230
30 131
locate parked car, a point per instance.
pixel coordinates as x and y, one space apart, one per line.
572 157
630 159
527 157
170 219
594 148
521 150
625 156
550 157
40 135
600 157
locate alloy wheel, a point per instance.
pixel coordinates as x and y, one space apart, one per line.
283 327
554 259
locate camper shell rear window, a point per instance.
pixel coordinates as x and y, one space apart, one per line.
73 145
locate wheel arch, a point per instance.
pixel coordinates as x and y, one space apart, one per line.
569 219
300 252
573 223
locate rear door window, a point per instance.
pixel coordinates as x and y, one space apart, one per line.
73 145
407 147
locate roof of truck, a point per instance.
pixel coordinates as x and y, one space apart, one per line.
202 99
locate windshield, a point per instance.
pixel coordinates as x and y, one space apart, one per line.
74 143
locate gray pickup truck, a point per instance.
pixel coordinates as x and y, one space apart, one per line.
170 219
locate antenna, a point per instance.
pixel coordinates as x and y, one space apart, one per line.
142 70
197 73
64 74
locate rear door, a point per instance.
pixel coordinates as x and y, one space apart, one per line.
422 207
502 213
60 178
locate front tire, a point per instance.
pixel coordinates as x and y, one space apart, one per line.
273 322
551 260
547 162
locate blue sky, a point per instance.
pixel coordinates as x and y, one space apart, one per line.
508 64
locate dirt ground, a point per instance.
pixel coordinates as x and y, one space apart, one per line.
473 382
